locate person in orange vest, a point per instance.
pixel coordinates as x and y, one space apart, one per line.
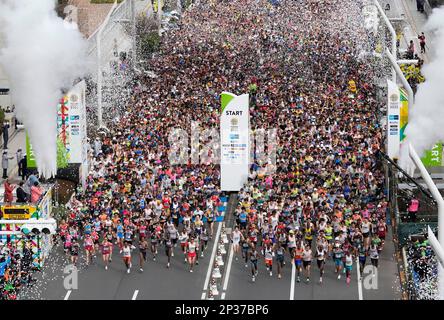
413 209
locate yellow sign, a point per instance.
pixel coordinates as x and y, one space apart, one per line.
17 212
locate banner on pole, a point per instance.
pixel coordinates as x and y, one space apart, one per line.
393 120
433 157
30 156
71 123
235 141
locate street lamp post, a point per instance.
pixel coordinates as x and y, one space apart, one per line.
99 66
392 32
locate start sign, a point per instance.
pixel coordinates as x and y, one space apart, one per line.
17 212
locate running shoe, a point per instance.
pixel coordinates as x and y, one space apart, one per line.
320 280
308 280
106 267
271 274
246 265
191 270
298 280
141 270
154 258
339 277
201 254
128 271
172 253
253 278
168 265
197 262
279 276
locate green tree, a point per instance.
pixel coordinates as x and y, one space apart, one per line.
149 43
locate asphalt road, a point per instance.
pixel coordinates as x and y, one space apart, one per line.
266 287
96 283
160 283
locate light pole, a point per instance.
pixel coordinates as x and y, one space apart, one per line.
99 66
437 245
134 31
392 32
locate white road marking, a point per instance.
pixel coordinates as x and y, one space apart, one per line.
203 295
293 274
213 255
359 280
230 262
223 296
67 295
136 292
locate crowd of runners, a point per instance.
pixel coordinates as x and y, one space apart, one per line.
324 198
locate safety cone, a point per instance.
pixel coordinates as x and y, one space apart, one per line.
221 248
219 259
216 272
213 287
224 237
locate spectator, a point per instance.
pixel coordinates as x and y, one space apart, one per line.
24 167
422 42
5 134
5 163
411 50
420 5
9 188
22 197
413 209
19 155
36 192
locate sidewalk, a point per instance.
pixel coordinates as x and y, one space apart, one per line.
16 141
415 22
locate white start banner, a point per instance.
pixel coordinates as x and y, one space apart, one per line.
393 120
77 123
235 141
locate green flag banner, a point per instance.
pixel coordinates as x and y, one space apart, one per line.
30 158
433 157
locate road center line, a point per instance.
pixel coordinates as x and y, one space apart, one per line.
230 262
67 295
293 274
213 255
359 280
136 292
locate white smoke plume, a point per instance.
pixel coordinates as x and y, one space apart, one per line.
41 55
426 118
